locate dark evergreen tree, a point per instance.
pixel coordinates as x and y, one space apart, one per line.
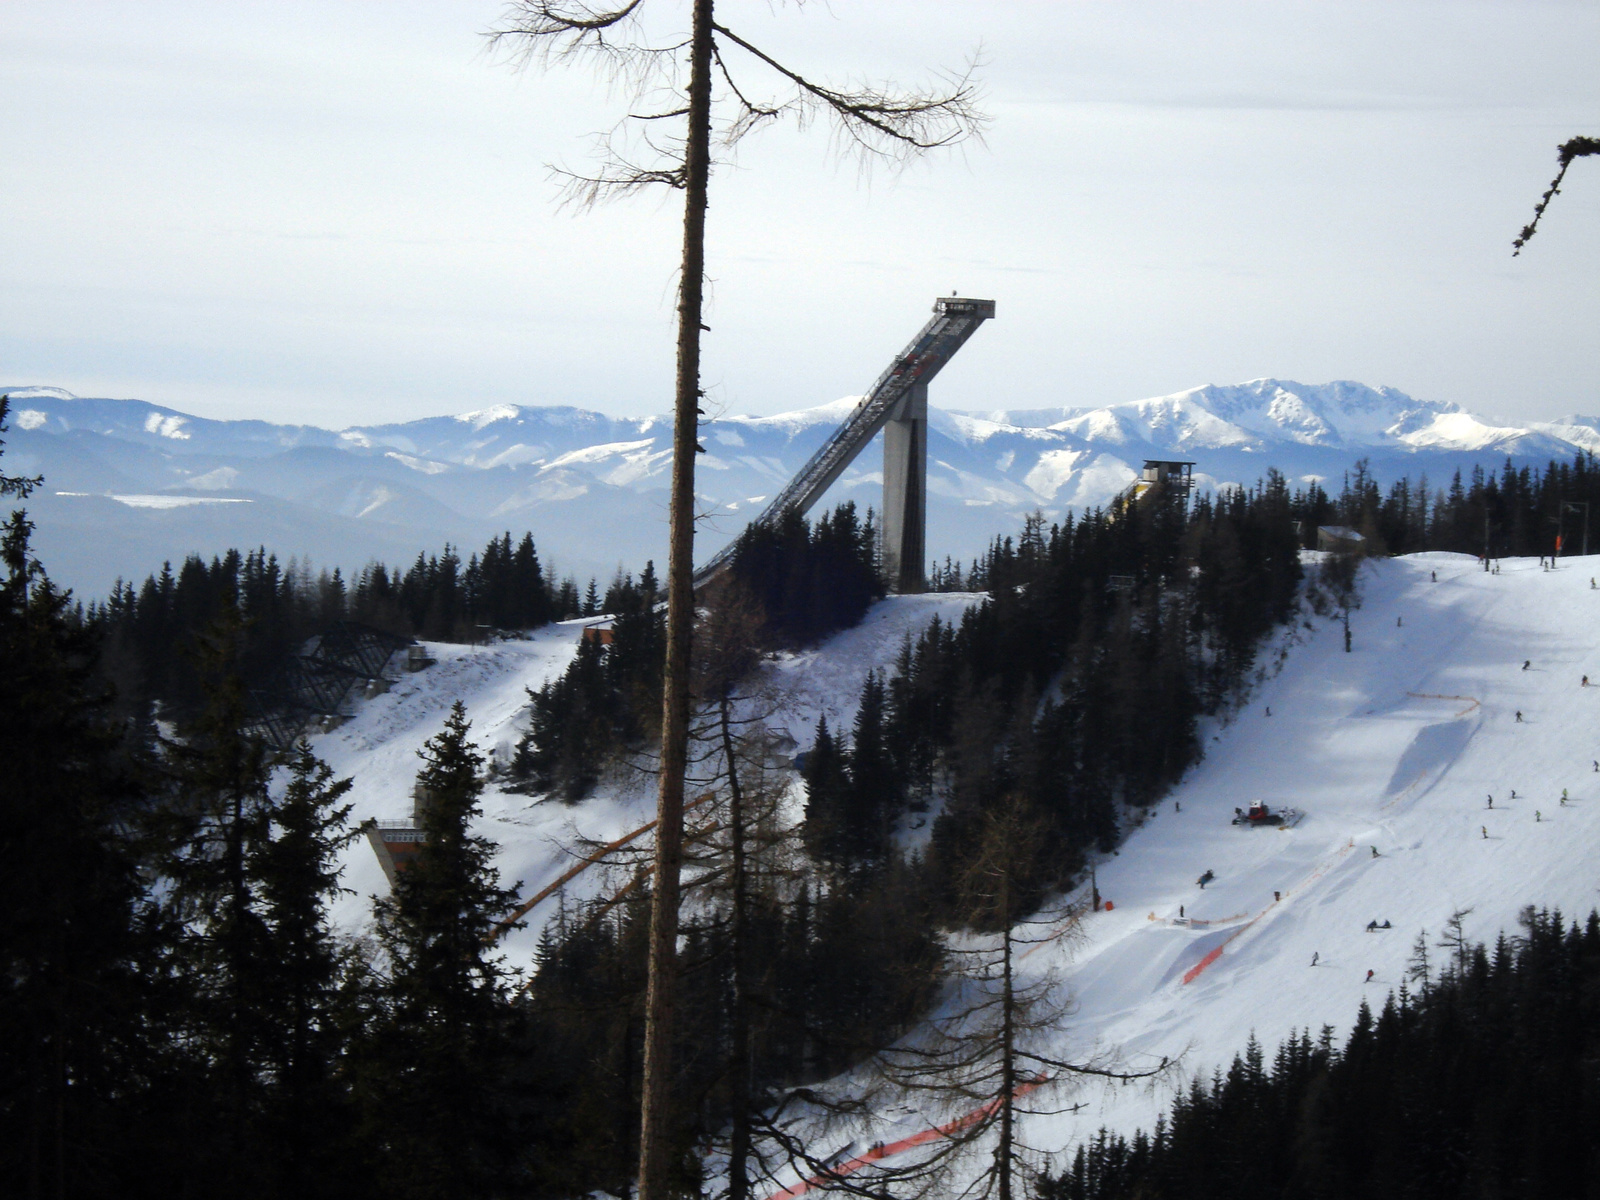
305 1119
215 819
434 1068
827 778
79 1043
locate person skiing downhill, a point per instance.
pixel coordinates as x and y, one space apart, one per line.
1315 954
1368 979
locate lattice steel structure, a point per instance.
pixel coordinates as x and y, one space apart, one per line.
318 682
898 404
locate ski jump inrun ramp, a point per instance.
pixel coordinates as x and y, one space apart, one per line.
897 404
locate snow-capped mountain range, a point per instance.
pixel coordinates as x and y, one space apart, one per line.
129 484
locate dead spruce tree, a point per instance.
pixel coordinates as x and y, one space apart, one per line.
699 87
1578 147
975 1069
985 1058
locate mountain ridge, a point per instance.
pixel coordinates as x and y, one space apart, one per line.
592 486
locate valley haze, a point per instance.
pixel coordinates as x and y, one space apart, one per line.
130 484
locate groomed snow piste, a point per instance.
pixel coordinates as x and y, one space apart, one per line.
1394 748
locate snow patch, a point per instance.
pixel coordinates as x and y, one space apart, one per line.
163 501
167 426
213 481
488 416
426 466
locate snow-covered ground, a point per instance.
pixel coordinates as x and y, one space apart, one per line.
378 750
1394 747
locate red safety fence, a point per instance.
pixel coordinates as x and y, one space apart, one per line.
886 1150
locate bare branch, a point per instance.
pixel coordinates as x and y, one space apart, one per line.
1578 147
914 121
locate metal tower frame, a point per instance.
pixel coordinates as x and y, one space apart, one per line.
898 404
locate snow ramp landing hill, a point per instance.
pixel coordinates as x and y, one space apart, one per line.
1461 686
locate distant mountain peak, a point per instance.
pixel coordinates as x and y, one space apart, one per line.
488 416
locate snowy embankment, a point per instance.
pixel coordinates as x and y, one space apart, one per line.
378 747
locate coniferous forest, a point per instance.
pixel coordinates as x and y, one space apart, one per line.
181 1015
149 635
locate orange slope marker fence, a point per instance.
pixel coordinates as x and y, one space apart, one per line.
882 1151
1472 702
1215 952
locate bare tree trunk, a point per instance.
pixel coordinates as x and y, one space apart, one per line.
739 1022
1008 1040
655 1117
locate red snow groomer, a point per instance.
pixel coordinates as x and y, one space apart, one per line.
1260 814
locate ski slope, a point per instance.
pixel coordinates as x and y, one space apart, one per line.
1393 748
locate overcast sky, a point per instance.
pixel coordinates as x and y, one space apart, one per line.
341 212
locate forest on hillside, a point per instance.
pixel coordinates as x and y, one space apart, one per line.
151 634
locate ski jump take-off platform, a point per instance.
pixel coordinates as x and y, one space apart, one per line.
898 405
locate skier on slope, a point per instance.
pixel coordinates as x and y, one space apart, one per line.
1206 878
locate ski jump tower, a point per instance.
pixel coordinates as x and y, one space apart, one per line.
898 405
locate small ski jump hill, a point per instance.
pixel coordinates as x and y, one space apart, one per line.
1392 752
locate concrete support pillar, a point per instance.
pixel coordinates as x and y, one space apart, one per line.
905 482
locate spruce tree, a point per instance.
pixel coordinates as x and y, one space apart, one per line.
295 873
827 779
76 1050
215 818
435 1063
